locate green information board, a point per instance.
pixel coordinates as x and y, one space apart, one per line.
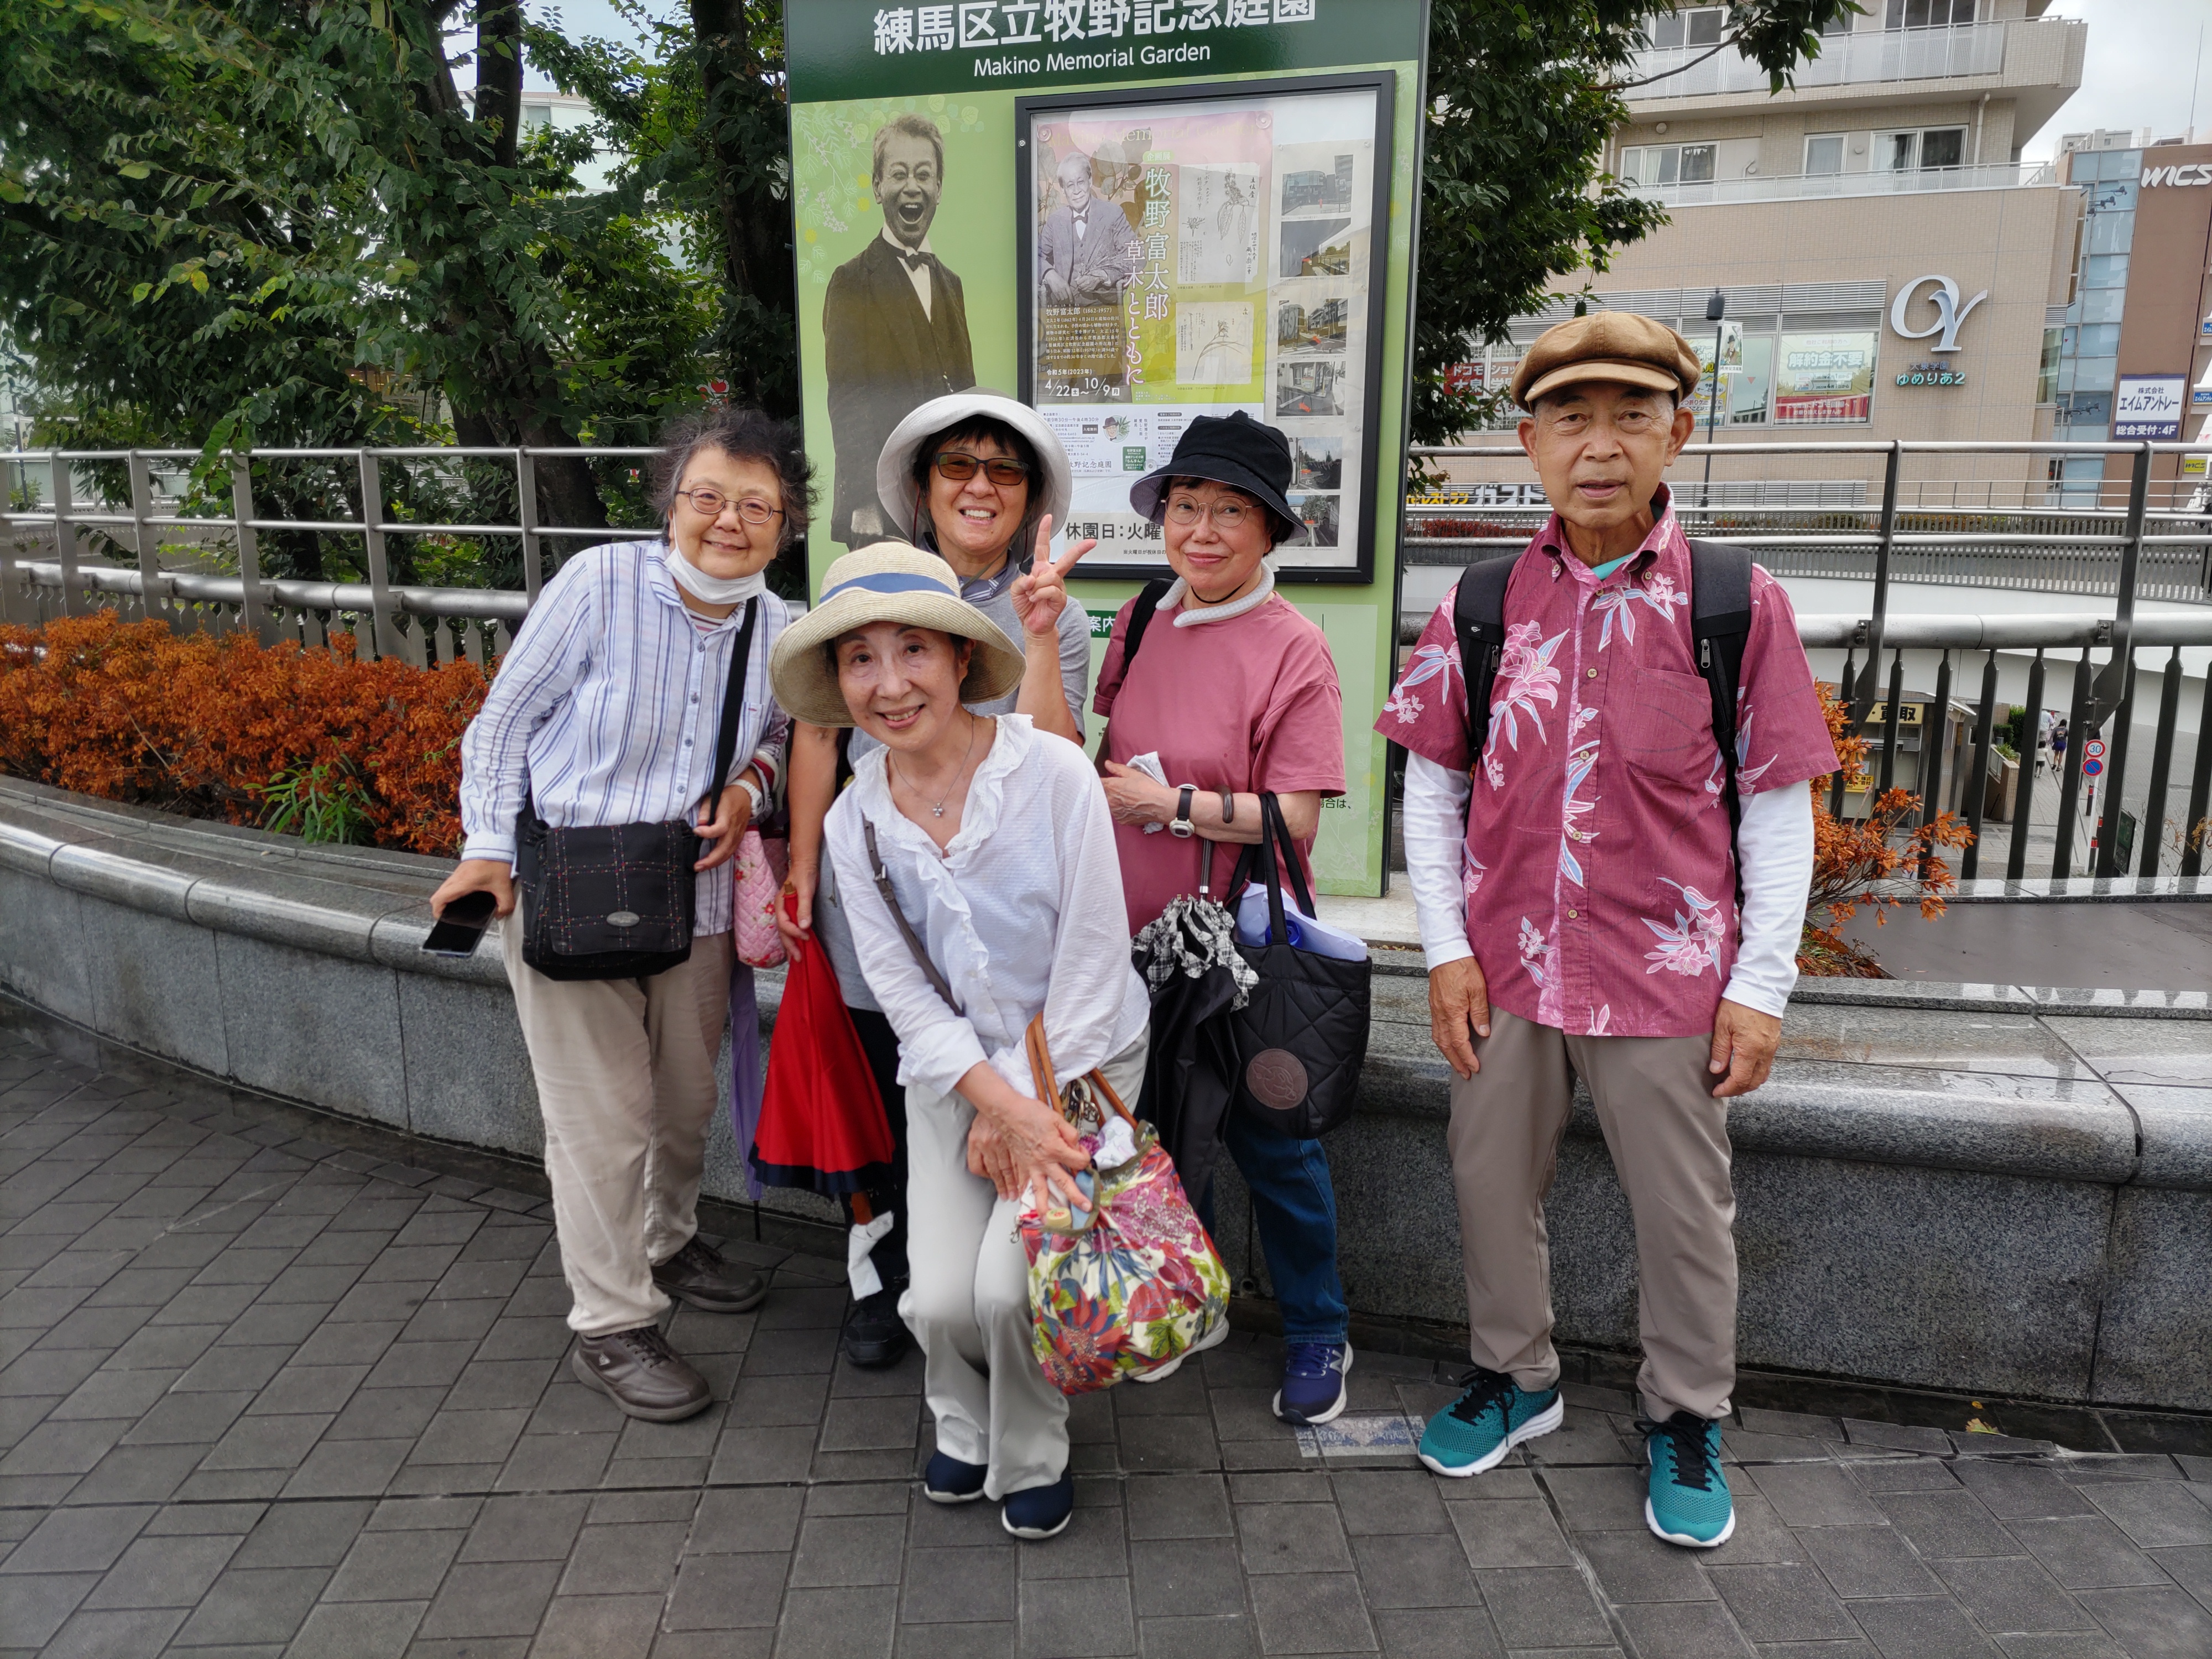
1256 162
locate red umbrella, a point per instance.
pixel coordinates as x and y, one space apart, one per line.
821 1124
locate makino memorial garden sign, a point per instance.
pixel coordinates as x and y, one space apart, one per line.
1254 163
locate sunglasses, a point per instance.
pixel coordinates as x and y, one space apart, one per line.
957 468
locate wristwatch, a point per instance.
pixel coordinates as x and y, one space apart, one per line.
1181 824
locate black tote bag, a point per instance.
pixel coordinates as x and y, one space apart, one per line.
618 901
1301 1041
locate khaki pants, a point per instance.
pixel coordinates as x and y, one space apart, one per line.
625 1071
1669 1137
968 1299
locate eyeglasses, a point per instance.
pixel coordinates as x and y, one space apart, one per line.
709 503
1230 515
957 468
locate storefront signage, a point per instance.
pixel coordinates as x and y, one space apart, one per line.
1932 374
2201 173
2150 406
1949 314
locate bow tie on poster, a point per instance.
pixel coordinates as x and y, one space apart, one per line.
913 259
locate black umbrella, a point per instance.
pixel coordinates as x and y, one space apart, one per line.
1189 960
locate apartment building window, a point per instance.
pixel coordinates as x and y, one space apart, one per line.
2046 374
1927 14
1921 149
536 118
1824 154
1695 26
1669 164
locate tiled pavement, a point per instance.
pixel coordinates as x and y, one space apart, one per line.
268 1395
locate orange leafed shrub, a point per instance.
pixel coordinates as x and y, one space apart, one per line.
130 712
1857 862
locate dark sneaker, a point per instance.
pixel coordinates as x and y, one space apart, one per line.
699 1275
641 1373
1689 1502
1493 1415
949 1480
1313 1388
875 1336
1040 1511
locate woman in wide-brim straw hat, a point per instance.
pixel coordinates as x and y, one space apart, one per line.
996 842
980 481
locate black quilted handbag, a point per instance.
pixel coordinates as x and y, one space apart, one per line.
618 901
1301 1041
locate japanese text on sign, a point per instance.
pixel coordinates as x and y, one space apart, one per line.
968 23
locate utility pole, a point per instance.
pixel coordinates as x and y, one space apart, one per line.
1716 308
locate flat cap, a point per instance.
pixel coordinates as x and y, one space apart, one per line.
1618 346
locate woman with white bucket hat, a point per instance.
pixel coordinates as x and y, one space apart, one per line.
978 479
976 861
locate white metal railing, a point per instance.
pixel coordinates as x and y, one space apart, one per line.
1864 55
1800 186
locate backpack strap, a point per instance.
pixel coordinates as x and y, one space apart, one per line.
1720 625
1479 621
1140 618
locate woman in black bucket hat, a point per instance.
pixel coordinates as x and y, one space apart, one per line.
1232 692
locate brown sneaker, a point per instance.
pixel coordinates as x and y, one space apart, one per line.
641 1373
699 1275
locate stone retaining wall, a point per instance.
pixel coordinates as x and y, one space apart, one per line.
1989 1188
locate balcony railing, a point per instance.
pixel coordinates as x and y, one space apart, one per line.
1864 56
1800 186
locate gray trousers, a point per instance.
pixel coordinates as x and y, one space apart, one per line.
1669 1137
969 1300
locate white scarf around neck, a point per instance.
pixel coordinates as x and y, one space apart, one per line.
713 590
1189 617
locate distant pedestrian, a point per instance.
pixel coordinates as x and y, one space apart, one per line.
2058 744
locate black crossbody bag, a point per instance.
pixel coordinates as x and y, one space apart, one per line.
619 901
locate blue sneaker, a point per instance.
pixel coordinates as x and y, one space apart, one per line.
1689 1502
1040 1511
1313 1388
1493 1415
949 1480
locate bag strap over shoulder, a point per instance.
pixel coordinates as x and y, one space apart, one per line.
733 706
906 929
1720 627
1479 621
1140 619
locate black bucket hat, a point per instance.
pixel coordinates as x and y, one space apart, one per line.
1235 450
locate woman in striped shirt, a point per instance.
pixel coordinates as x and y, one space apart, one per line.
604 712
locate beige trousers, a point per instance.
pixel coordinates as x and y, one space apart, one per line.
1669 1137
625 1071
968 1303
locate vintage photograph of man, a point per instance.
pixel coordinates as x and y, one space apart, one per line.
1087 250
893 324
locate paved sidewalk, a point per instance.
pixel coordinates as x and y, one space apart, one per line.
265 1393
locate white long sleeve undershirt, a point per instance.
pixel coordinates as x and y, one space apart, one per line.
1774 844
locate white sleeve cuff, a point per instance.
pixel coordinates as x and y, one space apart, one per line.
1435 817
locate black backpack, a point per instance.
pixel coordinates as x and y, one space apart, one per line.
1720 623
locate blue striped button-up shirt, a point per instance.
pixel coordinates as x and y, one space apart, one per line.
607 706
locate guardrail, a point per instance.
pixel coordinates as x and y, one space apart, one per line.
1804 186
1862 56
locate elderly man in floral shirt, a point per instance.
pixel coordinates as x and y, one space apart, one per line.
1577 891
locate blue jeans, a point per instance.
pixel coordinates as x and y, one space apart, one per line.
1294 1210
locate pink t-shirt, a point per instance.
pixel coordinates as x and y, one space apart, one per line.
1248 704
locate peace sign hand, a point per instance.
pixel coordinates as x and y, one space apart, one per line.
1040 595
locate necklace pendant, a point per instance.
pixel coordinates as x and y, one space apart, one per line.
937 812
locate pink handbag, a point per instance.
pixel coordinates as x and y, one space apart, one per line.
760 870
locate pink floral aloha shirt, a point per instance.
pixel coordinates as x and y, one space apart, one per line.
1601 887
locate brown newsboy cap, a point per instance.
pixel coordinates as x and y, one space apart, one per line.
1609 345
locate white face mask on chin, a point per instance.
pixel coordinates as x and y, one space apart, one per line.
713 590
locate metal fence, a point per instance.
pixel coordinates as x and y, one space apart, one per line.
2129 549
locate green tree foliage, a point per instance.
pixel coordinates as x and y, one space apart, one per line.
1522 99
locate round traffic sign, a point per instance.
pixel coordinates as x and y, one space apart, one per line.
2092 766
2095 748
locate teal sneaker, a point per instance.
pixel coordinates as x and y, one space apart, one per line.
1689 1501
1492 1416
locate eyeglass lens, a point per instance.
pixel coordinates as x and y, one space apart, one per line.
709 503
1227 514
999 469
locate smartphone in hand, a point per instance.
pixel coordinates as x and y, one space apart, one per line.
462 925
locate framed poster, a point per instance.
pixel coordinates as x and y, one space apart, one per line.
1196 250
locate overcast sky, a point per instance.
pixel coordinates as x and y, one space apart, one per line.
2142 63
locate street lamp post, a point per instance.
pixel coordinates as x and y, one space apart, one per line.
1716 308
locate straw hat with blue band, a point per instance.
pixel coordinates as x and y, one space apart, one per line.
887 582
895 486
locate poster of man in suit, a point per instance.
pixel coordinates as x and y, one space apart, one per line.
1086 250
893 324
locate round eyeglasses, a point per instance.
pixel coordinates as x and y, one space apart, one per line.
1003 470
709 504
1230 515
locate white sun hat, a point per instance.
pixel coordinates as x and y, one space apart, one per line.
895 485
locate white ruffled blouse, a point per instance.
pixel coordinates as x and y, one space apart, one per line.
1022 912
